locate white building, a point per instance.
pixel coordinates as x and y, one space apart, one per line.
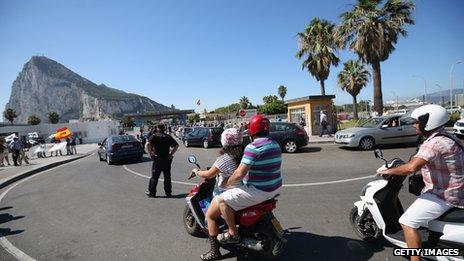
89 131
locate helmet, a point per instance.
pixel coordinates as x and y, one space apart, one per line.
430 117
231 137
259 123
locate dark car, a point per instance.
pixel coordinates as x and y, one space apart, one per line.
290 136
120 147
203 136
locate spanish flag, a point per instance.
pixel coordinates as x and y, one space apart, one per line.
62 133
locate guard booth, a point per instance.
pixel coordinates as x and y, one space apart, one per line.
308 108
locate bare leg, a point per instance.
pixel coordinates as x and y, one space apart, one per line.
212 215
413 239
229 215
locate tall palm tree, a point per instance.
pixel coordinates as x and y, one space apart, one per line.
371 30
282 91
244 102
317 44
352 79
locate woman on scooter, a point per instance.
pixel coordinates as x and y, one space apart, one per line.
228 161
441 160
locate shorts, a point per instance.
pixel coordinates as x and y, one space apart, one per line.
427 207
241 197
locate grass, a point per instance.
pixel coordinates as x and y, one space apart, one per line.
347 124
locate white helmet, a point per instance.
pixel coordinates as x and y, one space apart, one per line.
430 117
231 137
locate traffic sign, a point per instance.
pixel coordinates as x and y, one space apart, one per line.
242 113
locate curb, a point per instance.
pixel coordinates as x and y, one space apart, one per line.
322 141
8 181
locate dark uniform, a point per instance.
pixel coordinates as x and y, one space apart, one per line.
161 144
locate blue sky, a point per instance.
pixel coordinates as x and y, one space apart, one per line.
175 52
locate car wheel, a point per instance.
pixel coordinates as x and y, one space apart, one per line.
186 143
205 144
290 146
366 143
108 160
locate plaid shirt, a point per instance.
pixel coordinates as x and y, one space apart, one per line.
443 173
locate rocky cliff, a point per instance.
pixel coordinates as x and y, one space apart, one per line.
45 85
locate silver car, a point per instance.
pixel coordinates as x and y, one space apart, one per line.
391 129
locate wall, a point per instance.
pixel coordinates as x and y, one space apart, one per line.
312 121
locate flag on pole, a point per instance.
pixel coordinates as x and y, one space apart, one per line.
198 102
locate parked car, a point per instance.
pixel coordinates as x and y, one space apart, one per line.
120 147
203 136
390 129
182 131
290 136
458 128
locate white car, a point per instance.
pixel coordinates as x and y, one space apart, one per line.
458 128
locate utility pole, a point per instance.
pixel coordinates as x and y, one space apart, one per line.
451 84
424 97
441 94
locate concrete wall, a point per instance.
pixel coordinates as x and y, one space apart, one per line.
91 132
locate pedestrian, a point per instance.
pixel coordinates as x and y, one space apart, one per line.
302 121
22 154
323 122
68 147
3 148
161 148
15 146
73 145
144 141
57 146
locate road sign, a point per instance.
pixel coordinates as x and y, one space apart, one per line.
242 113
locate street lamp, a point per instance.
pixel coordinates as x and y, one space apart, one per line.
441 94
425 87
451 84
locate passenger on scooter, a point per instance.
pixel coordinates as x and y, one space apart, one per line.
230 157
441 160
260 172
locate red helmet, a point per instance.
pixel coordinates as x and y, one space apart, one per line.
259 123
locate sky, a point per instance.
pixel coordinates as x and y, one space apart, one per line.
178 51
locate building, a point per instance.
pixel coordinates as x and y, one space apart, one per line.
142 118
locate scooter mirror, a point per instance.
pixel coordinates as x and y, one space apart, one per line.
378 154
192 159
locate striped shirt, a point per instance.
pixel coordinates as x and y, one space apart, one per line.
443 174
226 166
264 158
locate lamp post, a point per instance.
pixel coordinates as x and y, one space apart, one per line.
451 84
441 94
425 87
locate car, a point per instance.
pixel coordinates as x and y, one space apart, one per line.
120 147
203 136
290 136
182 131
390 129
458 128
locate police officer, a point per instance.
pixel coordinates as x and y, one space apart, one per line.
161 148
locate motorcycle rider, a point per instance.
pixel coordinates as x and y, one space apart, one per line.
441 161
230 157
260 172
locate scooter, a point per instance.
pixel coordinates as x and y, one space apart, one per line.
379 209
259 230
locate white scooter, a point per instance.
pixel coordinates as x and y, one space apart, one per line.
379 209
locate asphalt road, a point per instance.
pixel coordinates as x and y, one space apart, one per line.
87 210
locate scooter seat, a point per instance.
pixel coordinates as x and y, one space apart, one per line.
455 215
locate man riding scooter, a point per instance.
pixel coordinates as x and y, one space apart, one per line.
260 172
441 161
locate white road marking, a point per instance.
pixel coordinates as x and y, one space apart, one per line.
10 248
285 185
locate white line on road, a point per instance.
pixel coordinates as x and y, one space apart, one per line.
285 185
10 248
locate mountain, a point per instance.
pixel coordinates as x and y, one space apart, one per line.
436 97
45 85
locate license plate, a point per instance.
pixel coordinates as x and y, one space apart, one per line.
277 225
126 146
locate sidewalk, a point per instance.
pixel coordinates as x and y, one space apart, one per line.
323 139
10 174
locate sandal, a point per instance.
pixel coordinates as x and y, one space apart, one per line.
226 238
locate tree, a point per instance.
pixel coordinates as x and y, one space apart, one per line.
352 79
128 121
282 91
10 115
244 102
371 31
317 43
194 118
33 120
269 99
232 108
274 107
53 117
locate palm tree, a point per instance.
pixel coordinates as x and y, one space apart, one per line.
10 115
33 120
371 31
282 91
317 43
244 102
352 79
53 117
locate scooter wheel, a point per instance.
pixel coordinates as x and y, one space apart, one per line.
368 230
191 224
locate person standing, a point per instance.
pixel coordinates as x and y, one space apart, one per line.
73 145
16 146
323 122
68 147
2 151
161 148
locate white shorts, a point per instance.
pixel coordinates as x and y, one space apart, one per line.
243 196
427 207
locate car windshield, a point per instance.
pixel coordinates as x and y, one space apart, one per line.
370 123
123 138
